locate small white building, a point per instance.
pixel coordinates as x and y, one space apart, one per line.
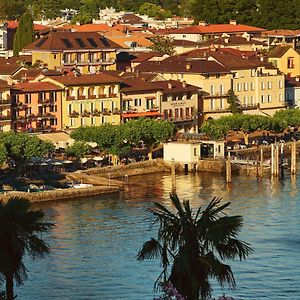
188 153
292 92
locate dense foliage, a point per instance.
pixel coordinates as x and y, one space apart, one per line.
20 235
78 149
290 116
163 44
243 123
268 14
21 147
193 245
120 139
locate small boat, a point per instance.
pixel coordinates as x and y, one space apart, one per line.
81 185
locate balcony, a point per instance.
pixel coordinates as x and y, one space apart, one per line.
96 113
112 95
68 63
31 117
107 61
48 115
216 110
92 96
74 114
116 112
250 106
85 114
5 102
44 102
181 119
82 97
5 118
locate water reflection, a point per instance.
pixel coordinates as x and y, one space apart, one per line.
95 241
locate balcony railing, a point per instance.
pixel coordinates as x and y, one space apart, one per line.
70 97
181 119
5 117
5 102
112 95
45 115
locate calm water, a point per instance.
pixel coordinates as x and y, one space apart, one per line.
95 240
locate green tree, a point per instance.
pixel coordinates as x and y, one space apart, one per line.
20 235
78 149
3 154
192 246
290 116
21 147
163 44
154 11
51 8
24 34
11 9
234 102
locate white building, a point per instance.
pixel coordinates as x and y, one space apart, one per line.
292 92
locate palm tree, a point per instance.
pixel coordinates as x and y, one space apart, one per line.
20 234
193 244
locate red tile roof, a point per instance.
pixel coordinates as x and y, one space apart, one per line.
9 69
137 85
292 82
35 87
68 40
14 25
85 79
282 32
216 28
90 27
180 64
176 86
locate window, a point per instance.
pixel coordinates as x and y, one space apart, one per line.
263 85
82 121
251 100
280 97
290 63
28 98
245 86
253 72
70 108
184 35
67 43
72 122
92 121
81 108
280 84
54 56
80 43
137 102
252 86
269 99
104 41
112 105
92 107
269 85
212 104
80 57
221 89
239 87
92 42
212 90
262 99
195 151
246 100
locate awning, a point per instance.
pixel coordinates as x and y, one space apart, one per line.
142 114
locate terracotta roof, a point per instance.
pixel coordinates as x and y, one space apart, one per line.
85 79
131 41
28 74
232 40
292 82
144 56
131 18
136 85
141 114
279 51
67 40
176 86
90 27
180 64
232 59
14 59
282 32
12 24
35 87
184 43
216 28
9 69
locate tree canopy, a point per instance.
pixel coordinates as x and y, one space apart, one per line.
21 147
78 149
163 44
193 245
270 14
120 139
243 123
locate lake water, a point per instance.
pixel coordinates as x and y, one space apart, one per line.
95 240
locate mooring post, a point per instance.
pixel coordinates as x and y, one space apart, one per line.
293 158
248 169
173 172
277 160
272 159
228 169
261 162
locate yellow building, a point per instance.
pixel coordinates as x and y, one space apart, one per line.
5 107
258 85
286 59
88 99
89 52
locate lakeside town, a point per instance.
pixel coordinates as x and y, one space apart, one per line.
87 106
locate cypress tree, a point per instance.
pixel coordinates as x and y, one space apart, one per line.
24 34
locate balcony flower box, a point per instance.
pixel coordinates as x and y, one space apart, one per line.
92 96
70 98
112 95
74 114
81 97
96 112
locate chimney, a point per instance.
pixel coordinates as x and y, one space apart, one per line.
188 66
297 79
226 40
202 23
184 84
232 22
169 85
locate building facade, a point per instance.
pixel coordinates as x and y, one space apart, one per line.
36 107
5 107
88 99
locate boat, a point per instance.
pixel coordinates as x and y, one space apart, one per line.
81 185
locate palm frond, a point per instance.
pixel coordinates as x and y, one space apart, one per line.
150 250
